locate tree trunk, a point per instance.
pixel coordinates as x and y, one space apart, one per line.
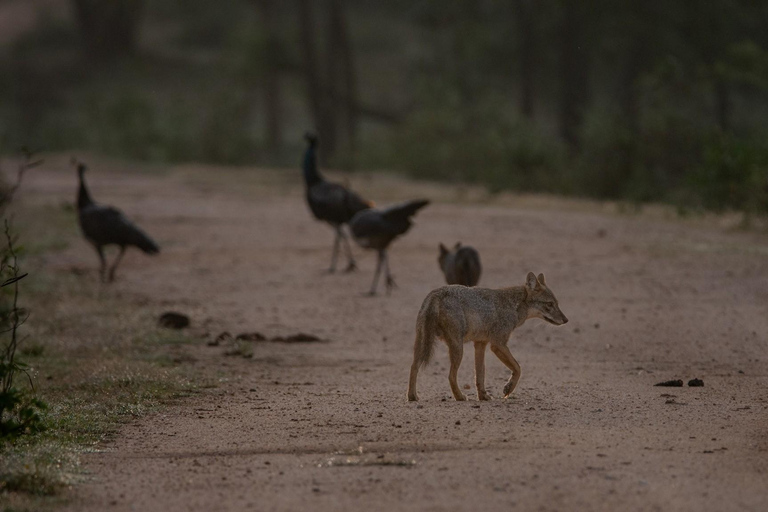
574 74
629 100
272 100
345 79
527 48
109 28
315 89
722 104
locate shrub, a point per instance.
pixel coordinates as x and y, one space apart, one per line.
733 174
19 410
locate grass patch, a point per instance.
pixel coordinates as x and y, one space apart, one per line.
98 359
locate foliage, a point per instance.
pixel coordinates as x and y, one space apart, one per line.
500 153
452 90
733 175
19 411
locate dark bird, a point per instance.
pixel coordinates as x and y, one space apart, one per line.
330 202
105 225
377 228
460 265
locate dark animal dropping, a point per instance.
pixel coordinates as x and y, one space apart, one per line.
250 336
695 383
671 383
297 338
173 320
224 336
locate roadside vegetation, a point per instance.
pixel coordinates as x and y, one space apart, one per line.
85 360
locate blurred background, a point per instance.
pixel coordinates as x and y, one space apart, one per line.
657 100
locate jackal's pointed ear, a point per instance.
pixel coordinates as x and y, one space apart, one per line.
443 249
541 280
530 281
457 246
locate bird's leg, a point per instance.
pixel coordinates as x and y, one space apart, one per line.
335 253
390 281
103 262
351 265
115 264
379 264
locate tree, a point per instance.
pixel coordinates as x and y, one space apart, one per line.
272 58
323 117
574 71
109 28
342 76
527 49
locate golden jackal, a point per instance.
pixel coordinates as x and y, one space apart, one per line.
459 314
461 265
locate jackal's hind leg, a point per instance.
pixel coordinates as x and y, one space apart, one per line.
505 356
482 394
455 353
412 396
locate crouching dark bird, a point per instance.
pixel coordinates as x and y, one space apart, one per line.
104 225
377 228
330 202
460 265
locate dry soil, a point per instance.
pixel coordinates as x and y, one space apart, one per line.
326 426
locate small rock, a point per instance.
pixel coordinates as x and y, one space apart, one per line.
696 383
671 383
458 422
173 320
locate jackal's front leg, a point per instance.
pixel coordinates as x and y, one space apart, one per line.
480 371
505 356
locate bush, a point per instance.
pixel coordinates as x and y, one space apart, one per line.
733 174
19 411
479 147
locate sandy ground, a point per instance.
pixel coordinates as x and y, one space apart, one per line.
326 426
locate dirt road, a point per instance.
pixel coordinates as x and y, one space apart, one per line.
325 426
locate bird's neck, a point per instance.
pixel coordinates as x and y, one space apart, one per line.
311 174
83 196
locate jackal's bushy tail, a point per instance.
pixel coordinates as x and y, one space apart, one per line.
426 331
